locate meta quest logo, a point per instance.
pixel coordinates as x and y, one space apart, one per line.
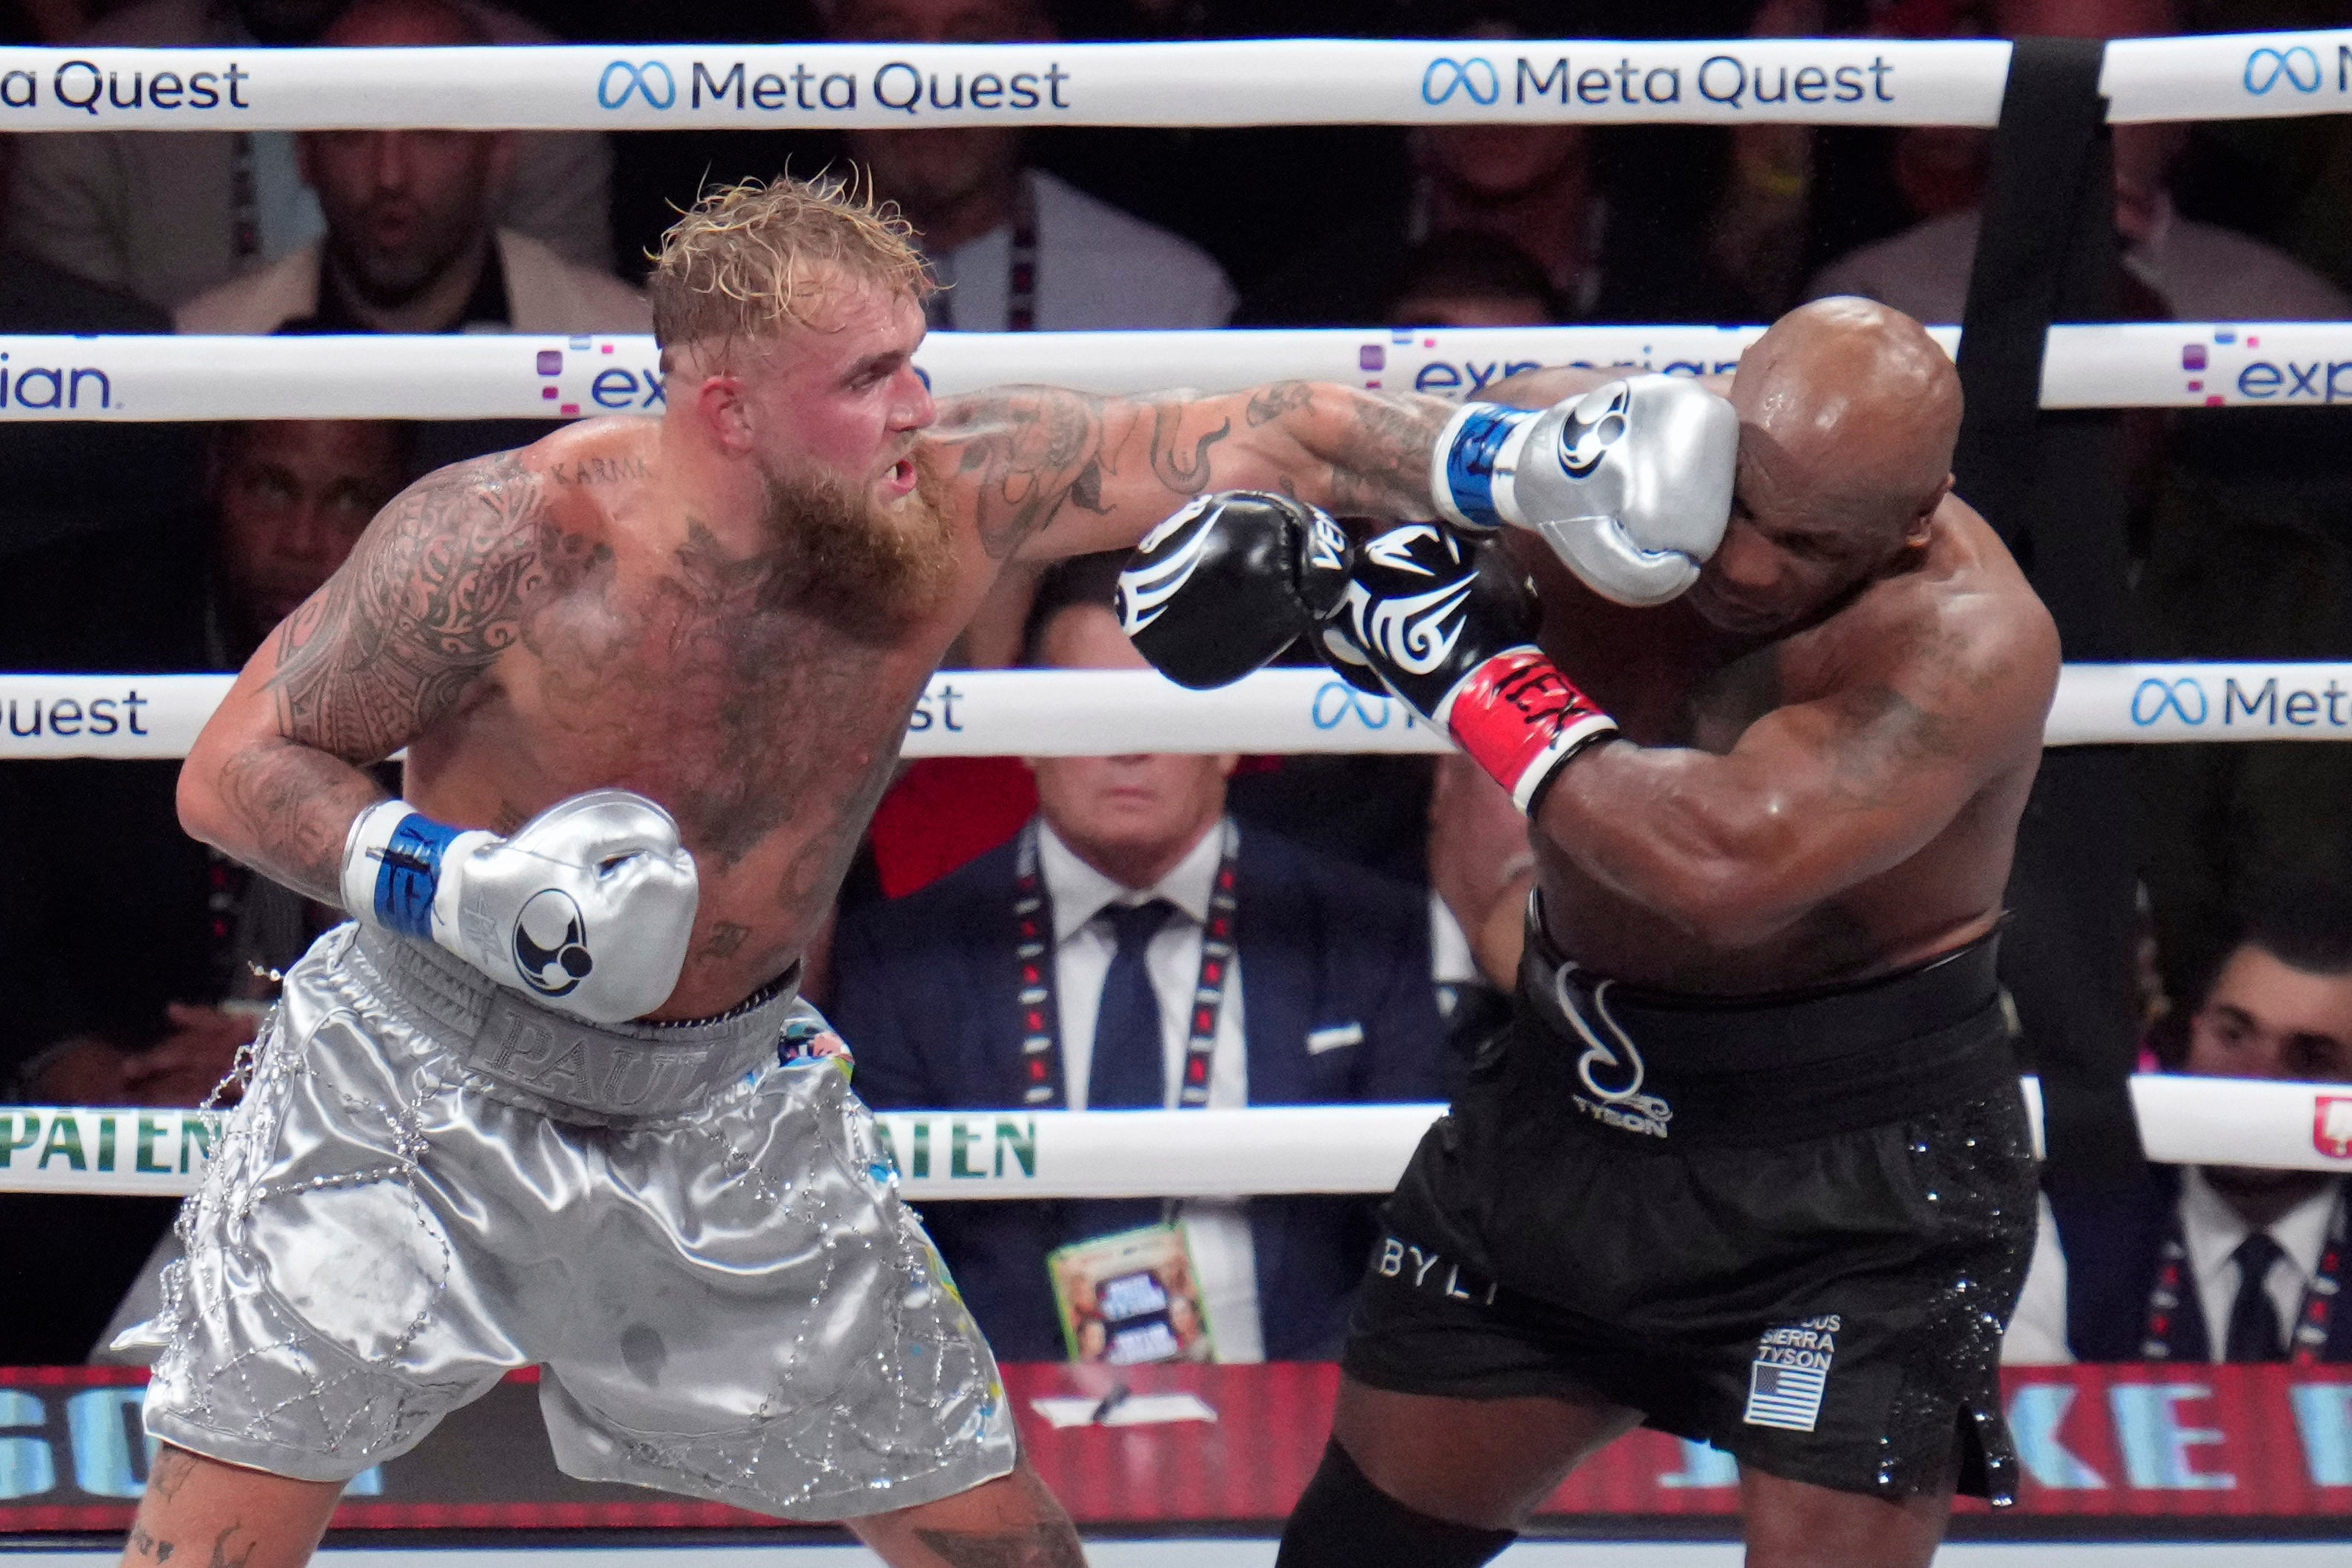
2202 701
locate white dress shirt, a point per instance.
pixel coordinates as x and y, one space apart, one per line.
2210 1231
2205 272
1224 1257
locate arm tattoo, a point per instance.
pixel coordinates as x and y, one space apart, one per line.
300 802
225 1556
1052 1545
1269 404
434 591
1022 453
1168 459
1385 450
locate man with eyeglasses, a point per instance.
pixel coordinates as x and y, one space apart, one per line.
2215 1263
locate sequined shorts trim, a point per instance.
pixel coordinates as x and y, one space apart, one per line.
732 1302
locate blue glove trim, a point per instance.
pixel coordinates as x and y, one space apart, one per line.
410 875
1470 463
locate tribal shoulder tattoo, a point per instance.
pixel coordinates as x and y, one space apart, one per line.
439 585
434 593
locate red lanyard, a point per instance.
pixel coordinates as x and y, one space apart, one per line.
1041 1019
2310 1336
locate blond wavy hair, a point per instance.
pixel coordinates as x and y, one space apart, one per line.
747 259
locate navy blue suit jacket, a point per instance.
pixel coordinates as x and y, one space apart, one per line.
924 990
2112 1236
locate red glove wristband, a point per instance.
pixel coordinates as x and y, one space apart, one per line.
1519 718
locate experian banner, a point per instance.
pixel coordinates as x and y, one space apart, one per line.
2167 364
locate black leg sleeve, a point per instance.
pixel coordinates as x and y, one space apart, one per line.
1345 1522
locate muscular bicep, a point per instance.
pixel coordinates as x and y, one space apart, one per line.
1861 781
1812 800
434 590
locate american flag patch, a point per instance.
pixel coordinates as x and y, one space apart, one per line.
1791 1374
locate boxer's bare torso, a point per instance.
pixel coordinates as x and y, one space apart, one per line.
1894 670
631 651
536 624
1813 803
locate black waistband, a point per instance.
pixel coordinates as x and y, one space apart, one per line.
1873 1051
1771 1029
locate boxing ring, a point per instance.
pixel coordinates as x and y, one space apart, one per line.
1022 1154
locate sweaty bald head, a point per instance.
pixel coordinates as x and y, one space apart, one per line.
1852 404
1848 412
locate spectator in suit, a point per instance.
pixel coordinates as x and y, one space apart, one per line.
411 244
2199 271
134 959
1327 997
66 476
1018 249
1605 255
104 870
2210 1263
1466 278
166 216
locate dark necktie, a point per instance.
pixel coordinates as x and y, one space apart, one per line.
2253 1317
1129 1069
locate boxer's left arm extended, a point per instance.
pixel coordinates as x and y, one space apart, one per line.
1047 473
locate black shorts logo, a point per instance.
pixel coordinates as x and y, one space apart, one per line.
1611 1068
1426 1270
1791 1374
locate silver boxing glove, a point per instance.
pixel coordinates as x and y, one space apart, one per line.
588 908
1630 484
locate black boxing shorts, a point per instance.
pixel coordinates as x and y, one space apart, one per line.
1792 1226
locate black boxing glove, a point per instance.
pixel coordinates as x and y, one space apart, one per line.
1229 581
1450 626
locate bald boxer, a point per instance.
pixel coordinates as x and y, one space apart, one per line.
529 1108
1749 1165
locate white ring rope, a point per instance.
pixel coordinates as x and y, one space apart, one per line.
1185 1153
2158 365
1278 81
1071 712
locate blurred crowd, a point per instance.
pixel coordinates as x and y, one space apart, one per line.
1356 920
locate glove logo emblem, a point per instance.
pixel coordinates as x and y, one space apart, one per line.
1594 426
1398 548
550 944
1152 580
1327 547
1414 633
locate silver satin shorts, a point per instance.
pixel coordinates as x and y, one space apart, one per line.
431 1181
